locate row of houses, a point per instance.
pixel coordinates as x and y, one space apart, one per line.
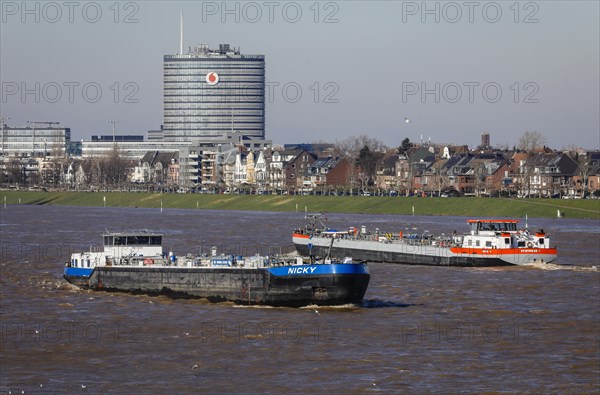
419 170
545 173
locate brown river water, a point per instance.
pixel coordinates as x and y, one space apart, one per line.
419 330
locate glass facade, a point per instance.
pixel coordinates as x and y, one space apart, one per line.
196 108
31 141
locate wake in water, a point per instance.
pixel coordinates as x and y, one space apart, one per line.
552 266
335 307
313 307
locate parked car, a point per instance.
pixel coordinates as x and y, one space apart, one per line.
452 193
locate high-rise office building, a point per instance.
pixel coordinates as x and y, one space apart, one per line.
209 92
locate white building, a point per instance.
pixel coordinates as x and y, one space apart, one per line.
35 140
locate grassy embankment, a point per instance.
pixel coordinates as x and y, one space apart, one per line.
471 207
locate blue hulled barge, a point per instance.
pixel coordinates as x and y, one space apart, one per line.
135 262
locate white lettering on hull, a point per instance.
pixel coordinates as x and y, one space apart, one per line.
302 270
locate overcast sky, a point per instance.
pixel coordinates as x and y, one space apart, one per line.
334 69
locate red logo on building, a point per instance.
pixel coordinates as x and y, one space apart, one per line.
212 78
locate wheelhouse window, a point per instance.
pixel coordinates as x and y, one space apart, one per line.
138 240
132 240
495 226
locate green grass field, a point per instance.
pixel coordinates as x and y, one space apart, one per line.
464 206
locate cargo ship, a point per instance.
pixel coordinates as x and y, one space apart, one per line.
135 262
490 242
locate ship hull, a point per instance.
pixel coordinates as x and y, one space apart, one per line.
415 254
78 276
324 285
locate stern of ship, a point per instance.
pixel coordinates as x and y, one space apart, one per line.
319 284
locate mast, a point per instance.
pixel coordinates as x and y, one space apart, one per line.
181 33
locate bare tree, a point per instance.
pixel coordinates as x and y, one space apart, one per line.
531 140
526 174
113 169
15 172
584 170
439 177
367 162
572 149
502 147
350 147
404 175
88 176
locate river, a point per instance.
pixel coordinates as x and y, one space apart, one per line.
419 330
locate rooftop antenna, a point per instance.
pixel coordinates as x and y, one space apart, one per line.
181 33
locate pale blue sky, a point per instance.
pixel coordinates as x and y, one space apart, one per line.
372 56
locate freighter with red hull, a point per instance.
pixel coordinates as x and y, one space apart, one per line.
490 242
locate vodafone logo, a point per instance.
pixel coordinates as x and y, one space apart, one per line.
212 78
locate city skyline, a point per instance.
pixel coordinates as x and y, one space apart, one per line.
333 69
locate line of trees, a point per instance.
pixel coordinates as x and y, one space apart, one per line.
105 172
